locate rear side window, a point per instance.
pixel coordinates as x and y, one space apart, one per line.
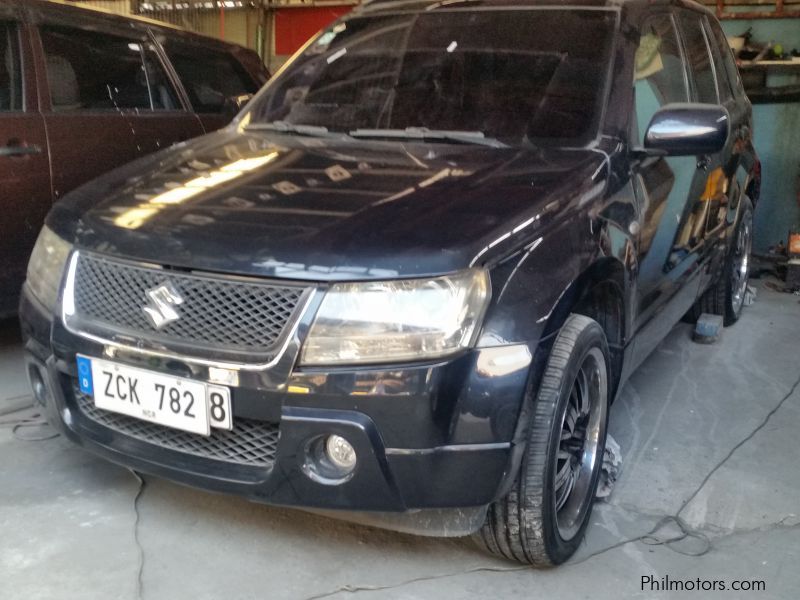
660 77
95 71
211 77
723 83
700 64
10 72
726 58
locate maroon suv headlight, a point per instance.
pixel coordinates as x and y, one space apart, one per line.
46 267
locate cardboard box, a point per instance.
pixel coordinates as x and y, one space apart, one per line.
794 243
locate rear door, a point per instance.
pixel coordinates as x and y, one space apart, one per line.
212 78
25 196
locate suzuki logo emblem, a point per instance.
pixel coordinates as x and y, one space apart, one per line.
160 310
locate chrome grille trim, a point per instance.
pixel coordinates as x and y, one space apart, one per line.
228 319
251 443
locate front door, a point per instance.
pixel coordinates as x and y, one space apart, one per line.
25 196
169 120
703 228
212 77
94 89
668 278
110 100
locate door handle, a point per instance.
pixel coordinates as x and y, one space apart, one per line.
20 150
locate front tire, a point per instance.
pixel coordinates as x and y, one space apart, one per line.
542 519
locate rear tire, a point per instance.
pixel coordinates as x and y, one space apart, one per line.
542 519
726 296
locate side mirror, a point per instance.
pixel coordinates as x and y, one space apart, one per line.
234 104
241 101
688 130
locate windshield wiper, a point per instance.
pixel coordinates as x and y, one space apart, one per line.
285 127
423 133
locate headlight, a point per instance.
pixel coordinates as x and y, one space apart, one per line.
373 322
46 267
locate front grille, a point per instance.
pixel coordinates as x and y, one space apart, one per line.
217 313
250 443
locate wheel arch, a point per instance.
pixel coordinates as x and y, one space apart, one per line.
602 284
599 292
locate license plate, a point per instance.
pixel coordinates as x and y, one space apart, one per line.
175 402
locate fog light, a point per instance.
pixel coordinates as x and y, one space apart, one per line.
340 452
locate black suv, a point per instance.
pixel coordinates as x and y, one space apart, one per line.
405 284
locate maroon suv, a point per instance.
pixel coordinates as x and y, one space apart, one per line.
82 92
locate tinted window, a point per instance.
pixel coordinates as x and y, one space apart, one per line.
95 71
659 77
10 73
700 64
162 93
211 77
726 56
723 84
514 75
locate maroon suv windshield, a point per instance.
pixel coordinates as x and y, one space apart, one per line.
512 74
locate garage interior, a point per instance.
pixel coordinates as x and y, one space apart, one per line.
708 487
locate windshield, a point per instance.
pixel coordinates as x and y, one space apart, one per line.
511 75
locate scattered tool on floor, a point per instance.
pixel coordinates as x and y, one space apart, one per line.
612 465
750 295
707 329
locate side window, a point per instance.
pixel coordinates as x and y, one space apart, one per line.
10 71
96 71
162 94
723 82
660 77
210 77
726 55
697 53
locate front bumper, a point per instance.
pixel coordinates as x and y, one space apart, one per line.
434 441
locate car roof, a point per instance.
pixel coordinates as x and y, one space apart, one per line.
62 7
372 6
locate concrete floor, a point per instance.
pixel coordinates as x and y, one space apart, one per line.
708 434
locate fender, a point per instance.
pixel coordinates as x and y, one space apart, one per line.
572 270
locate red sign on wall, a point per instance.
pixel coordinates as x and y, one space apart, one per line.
293 26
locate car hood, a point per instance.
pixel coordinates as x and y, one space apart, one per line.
280 205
